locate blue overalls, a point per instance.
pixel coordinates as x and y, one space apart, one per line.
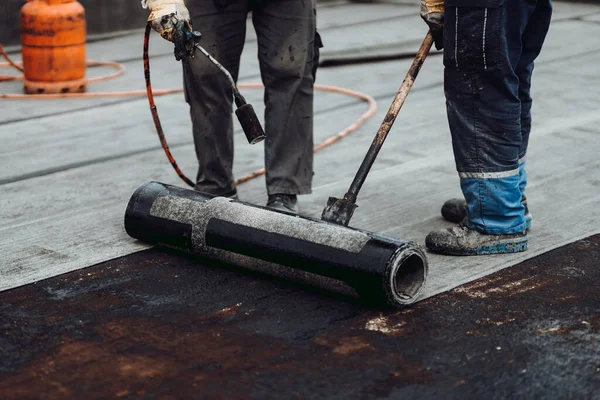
489 51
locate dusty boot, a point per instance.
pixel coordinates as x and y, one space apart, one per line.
283 202
462 241
455 210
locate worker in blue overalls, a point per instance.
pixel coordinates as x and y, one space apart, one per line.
489 51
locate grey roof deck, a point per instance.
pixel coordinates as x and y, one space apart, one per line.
69 166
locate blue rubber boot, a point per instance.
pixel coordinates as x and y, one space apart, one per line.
455 210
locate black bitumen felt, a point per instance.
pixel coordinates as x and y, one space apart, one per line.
157 323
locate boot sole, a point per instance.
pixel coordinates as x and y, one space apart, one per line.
501 247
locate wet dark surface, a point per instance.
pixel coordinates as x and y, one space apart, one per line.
160 325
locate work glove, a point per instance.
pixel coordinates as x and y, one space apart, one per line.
164 15
432 12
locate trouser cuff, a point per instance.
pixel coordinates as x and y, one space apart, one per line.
494 204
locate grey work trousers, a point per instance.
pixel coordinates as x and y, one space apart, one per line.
288 49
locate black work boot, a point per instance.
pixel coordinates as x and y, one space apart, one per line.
462 241
455 210
283 202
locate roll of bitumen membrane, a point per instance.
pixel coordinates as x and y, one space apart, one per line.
381 269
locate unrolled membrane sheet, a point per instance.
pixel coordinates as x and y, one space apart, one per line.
402 201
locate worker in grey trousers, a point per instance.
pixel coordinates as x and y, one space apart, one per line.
288 51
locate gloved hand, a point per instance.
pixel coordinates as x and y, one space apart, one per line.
432 12
184 41
164 15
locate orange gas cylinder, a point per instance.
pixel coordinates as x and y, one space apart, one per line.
53 40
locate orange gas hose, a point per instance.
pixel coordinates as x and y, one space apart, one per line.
120 70
10 62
